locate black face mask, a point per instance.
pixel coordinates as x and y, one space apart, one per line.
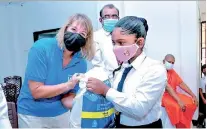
74 41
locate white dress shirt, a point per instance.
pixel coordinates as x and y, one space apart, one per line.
104 56
203 84
4 118
140 100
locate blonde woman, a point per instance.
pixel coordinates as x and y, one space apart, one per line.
50 62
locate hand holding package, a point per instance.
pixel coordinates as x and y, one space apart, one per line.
92 110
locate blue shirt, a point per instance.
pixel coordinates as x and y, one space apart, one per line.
44 65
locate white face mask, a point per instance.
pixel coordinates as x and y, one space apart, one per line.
168 65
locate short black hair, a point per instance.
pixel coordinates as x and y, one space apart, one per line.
203 67
111 6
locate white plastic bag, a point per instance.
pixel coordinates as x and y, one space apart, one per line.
92 110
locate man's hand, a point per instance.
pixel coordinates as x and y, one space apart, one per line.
96 86
182 105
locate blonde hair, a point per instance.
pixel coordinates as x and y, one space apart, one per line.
88 51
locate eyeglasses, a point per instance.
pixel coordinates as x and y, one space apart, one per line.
110 17
74 30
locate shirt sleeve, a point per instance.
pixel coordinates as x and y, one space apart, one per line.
98 59
148 92
37 64
202 84
178 79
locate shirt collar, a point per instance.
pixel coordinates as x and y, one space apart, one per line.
75 58
139 60
105 32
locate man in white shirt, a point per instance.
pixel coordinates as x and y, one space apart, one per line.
105 58
202 88
4 118
202 98
139 82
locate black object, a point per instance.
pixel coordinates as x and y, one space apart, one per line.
10 92
16 80
74 41
12 112
45 33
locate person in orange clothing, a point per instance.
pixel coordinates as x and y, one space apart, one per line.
179 107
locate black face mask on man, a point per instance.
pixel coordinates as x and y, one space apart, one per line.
74 41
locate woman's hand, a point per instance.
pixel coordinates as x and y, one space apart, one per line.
74 80
96 86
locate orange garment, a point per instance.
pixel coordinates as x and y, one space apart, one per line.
177 117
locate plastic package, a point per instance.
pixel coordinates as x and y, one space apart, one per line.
92 110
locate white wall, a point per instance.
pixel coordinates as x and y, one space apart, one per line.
189 50
19 22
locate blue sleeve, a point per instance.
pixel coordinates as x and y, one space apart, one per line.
81 68
37 64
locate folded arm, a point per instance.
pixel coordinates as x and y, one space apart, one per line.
39 90
67 100
37 72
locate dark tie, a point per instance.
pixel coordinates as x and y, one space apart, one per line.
119 88
124 75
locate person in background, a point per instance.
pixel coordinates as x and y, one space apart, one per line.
202 99
138 83
4 118
104 57
50 62
179 107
